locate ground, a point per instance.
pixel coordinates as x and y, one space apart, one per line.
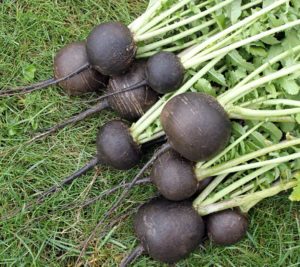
31 31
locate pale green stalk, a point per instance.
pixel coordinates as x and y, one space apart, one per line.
146 16
239 92
177 16
255 165
164 15
248 187
285 102
235 185
231 29
245 202
202 58
258 101
203 173
178 47
263 67
287 119
212 185
175 38
183 22
230 147
261 114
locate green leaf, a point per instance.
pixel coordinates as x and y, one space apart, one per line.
287 127
257 51
29 72
221 20
273 130
234 11
295 196
236 76
258 139
291 39
238 128
270 40
296 4
289 86
217 77
237 60
204 86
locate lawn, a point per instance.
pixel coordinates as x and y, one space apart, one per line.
31 31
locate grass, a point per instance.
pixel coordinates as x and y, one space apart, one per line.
50 235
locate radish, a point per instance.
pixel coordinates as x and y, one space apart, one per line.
114 55
72 73
111 46
226 227
168 231
131 141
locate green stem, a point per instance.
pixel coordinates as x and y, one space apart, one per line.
245 202
260 164
230 147
151 138
287 119
147 16
233 186
203 173
285 102
263 67
178 47
211 187
261 114
248 187
223 42
175 38
189 32
231 29
239 92
164 15
177 16
200 59
183 22
258 101
160 104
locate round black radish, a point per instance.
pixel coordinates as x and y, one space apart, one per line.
116 147
165 72
131 105
174 176
111 48
196 125
226 227
168 231
70 58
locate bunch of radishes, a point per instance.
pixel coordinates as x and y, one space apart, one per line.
228 105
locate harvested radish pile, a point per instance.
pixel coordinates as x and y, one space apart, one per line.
180 129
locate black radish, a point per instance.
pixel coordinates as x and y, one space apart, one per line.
164 73
196 125
174 176
198 128
226 227
116 147
111 48
168 231
71 72
130 106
